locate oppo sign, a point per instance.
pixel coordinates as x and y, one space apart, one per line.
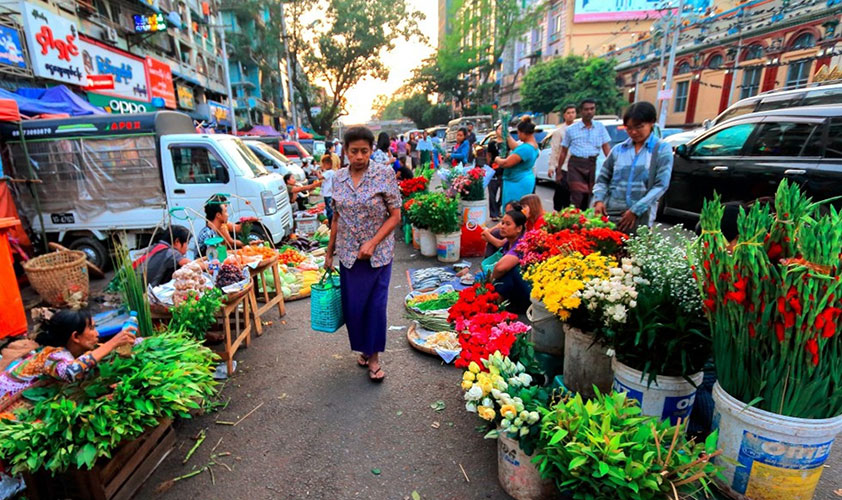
122 107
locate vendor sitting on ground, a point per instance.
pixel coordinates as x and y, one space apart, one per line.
67 351
216 213
165 257
294 189
493 238
506 274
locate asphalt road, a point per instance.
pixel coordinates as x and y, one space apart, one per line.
325 432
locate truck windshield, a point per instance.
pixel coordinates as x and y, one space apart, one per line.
272 152
241 153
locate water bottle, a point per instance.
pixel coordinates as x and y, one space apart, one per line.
213 268
126 350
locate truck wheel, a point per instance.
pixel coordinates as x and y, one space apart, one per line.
258 232
93 249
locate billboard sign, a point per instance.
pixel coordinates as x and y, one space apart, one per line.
119 106
129 71
592 11
11 48
53 45
160 81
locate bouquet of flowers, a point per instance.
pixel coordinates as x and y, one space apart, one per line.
538 245
608 300
436 212
477 299
575 219
469 185
411 187
775 304
558 280
486 333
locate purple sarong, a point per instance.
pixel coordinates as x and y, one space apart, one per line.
365 291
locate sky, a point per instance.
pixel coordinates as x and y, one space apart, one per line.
401 61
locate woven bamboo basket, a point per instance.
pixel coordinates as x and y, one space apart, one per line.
59 277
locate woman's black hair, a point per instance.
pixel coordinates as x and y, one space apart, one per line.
56 331
358 133
383 142
493 149
526 126
176 233
406 173
517 217
464 131
640 112
286 177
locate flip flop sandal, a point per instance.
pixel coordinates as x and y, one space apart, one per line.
375 372
360 358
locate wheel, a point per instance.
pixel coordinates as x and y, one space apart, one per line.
258 232
93 249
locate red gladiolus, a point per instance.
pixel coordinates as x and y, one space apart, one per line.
779 331
751 331
709 304
812 348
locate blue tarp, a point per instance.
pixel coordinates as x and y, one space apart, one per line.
55 100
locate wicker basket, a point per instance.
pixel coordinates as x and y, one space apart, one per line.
59 277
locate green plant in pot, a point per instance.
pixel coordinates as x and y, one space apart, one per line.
603 448
415 212
440 213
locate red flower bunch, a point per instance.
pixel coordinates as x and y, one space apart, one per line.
408 204
606 241
477 299
468 185
486 333
538 245
412 186
576 219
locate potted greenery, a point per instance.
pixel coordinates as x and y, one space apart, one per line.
441 214
774 302
419 218
604 448
662 346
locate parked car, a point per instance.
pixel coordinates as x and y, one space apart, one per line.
439 131
275 161
292 150
817 95
745 158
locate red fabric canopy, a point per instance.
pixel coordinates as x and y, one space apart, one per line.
304 135
9 111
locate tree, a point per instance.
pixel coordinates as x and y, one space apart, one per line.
341 48
438 114
597 80
388 108
414 108
546 84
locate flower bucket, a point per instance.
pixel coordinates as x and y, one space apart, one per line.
767 456
427 243
547 332
667 398
416 238
518 475
472 243
475 212
447 246
585 364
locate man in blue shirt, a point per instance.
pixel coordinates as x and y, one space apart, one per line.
583 141
636 173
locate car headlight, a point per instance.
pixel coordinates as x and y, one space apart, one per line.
269 207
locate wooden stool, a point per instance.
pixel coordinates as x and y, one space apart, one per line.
267 298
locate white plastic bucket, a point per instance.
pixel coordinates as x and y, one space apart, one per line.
667 398
427 242
547 331
447 246
518 475
307 224
768 456
475 212
585 364
416 238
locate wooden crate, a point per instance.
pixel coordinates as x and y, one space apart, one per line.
117 478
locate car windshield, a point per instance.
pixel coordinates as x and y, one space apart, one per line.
618 134
241 153
274 153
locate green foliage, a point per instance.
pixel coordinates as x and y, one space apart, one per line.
196 316
437 114
604 448
414 108
547 84
439 212
597 80
133 289
72 425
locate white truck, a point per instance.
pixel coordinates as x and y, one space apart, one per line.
124 175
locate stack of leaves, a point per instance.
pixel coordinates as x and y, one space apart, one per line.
575 219
603 448
775 304
72 425
133 289
196 314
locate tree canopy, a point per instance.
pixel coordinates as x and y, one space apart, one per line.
549 85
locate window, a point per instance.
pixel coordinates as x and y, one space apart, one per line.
788 100
715 62
735 112
683 68
751 82
833 146
726 142
681 91
291 151
798 74
197 165
823 96
782 138
803 41
754 52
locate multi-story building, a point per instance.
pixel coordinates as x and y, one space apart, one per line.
160 54
735 53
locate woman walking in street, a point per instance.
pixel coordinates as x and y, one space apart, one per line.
367 209
518 177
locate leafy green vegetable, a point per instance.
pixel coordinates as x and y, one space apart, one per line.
196 316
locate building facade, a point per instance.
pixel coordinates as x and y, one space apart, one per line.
733 54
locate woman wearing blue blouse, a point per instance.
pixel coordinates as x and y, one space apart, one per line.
518 177
462 149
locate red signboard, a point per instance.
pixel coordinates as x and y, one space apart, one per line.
100 82
160 81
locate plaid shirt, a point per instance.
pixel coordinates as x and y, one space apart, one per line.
583 141
623 181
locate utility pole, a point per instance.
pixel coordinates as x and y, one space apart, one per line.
662 119
233 117
289 72
736 58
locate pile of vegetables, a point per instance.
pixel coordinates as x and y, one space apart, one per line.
265 253
196 314
302 243
433 301
322 235
72 425
291 256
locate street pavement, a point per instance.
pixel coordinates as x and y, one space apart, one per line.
321 430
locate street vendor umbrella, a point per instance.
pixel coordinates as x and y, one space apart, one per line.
304 135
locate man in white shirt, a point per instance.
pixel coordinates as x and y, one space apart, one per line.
561 198
582 142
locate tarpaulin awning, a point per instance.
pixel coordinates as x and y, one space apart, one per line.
54 101
9 110
262 131
304 135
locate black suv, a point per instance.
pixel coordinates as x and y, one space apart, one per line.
745 158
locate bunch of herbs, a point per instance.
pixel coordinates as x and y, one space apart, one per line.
197 314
